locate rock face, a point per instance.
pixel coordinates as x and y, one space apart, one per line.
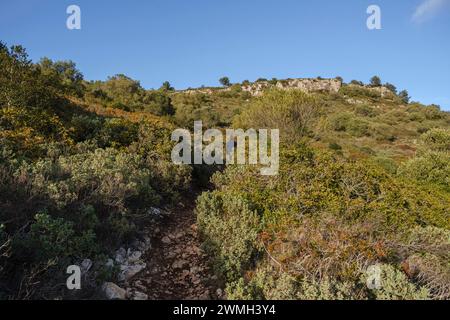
302 84
203 90
257 88
113 291
305 85
383 91
310 85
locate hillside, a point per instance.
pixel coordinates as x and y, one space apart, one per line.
86 173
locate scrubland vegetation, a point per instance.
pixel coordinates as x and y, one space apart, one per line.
364 180
75 180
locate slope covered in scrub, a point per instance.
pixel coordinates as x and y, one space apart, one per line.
363 185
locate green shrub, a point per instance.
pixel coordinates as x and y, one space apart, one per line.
357 91
108 177
85 127
272 284
366 111
387 164
432 167
117 132
334 146
120 106
322 218
433 113
190 108
395 286
55 239
425 255
383 132
159 103
416 117
349 123
437 139
327 289
292 112
230 228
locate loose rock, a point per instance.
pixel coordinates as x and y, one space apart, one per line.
166 240
121 256
129 271
113 291
140 296
134 256
86 265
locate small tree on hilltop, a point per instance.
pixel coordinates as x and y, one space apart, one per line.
167 86
391 87
225 81
375 81
357 83
274 81
404 95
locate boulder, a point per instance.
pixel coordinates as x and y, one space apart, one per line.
113 292
129 271
140 296
109 263
86 265
121 256
134 256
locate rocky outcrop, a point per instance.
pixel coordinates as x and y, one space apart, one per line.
305 85
310 85
383 91
207 91
257 88
130 263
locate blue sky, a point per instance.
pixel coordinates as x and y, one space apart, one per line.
194 43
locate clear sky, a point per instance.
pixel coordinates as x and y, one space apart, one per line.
194 42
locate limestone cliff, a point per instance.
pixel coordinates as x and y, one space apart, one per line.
257 88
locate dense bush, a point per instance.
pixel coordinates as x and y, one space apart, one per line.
230 228
437 140
324 220
292 112
122 92
366 111
23 84
383 132
195 107
432 163
275 284
426 259
106 176
431 168
72 181
63 73
347 122
358 91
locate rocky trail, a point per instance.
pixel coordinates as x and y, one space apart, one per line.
176 266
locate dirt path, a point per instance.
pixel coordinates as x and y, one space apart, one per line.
177 268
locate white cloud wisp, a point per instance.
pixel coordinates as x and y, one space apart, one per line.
427 9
